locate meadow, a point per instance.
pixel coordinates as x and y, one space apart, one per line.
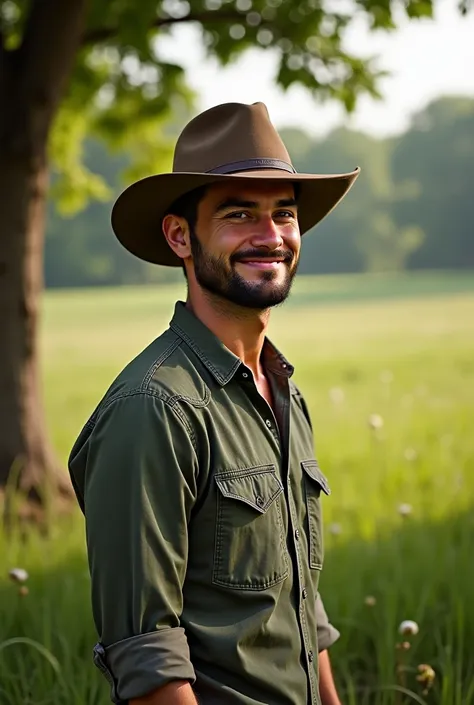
386 364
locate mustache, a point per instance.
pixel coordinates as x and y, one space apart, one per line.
262 254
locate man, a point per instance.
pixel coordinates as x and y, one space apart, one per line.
196 472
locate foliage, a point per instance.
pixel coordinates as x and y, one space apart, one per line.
434 164
401 347
125 91
412 191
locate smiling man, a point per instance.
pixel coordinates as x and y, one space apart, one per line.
196 472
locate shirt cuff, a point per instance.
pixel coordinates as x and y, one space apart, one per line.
327 636
141 664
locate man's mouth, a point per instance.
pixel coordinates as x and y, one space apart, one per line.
262 263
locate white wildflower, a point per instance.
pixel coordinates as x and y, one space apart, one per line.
375 422
410 454
370 601
408 628
18 575
335 529
405 509
336 395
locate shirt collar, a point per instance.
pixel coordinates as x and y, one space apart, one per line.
274 361
219 360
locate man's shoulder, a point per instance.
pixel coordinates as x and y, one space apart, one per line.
165 369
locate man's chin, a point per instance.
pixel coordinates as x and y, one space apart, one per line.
259 300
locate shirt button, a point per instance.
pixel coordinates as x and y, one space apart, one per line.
310 656
244 375
297 534
304 594
260 501
269 423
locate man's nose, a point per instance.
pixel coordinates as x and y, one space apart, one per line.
267 234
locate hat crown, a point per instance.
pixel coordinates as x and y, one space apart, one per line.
231 133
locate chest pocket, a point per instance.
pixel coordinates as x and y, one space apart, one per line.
250 548
315 483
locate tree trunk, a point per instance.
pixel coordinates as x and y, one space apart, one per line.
25 454
32 81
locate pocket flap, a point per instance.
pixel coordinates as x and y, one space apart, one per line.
257 486
312 469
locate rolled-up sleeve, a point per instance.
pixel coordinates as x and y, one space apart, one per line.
327 634
139 490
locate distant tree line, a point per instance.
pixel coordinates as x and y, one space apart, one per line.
411 208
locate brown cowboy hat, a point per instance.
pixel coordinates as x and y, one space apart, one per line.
230 142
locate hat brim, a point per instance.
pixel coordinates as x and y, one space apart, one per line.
138 211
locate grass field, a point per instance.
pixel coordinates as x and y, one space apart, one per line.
400 348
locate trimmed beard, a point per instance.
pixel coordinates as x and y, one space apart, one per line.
219 277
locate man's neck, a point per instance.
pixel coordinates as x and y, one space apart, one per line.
242 330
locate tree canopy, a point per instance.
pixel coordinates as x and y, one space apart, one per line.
124 91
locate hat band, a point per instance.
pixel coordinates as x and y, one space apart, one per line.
249 164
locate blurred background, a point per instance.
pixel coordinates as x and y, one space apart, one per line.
411 208
379 325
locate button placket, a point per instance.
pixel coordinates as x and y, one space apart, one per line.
306 640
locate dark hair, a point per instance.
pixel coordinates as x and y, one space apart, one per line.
186 206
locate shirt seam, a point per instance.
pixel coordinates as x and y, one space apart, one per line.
159 360
171 403
144 388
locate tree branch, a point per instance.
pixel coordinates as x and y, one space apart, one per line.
102 34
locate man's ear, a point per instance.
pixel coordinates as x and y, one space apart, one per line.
176 232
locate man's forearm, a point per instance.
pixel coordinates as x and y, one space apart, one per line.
327 687
175 693
181 693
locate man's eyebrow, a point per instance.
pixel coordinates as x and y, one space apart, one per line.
239 203
286 202
235 203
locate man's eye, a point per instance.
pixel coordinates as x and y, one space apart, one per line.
237 215
285 214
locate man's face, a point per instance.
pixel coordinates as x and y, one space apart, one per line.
246 244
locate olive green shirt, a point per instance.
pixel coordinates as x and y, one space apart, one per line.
203 525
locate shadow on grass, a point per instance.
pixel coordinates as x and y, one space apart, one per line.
418 571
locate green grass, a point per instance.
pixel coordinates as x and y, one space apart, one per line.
401 347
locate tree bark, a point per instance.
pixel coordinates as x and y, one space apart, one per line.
26 458
32 81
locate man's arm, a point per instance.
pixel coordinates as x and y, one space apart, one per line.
176 693
139 470
327 635
327 687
